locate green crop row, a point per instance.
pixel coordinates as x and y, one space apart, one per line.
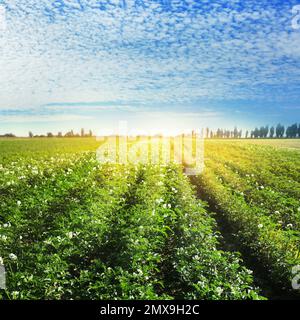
241 183
71 228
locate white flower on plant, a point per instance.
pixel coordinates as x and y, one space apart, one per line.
260 225
3 237
13 257
15 294
289 225
70 235
174 190
140 271
219 290
1 261
19 202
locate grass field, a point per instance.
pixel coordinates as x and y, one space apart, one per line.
277 143
72 228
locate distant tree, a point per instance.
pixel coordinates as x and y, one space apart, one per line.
30 134
256 133
82 132
289 132
292 131
70 134
279 131
272 131
299 131
59 134
50 135
90 133
263 132
235 133
295 130
8 135
260 132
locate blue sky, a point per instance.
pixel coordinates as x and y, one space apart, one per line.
67 64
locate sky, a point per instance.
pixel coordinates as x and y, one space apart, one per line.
164 65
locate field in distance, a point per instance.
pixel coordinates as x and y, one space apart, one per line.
39 146
277 143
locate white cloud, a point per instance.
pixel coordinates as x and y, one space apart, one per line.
55 52
41 118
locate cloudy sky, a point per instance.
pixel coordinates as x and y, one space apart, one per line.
166 64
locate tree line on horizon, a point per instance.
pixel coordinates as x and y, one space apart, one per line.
69 134
278 132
